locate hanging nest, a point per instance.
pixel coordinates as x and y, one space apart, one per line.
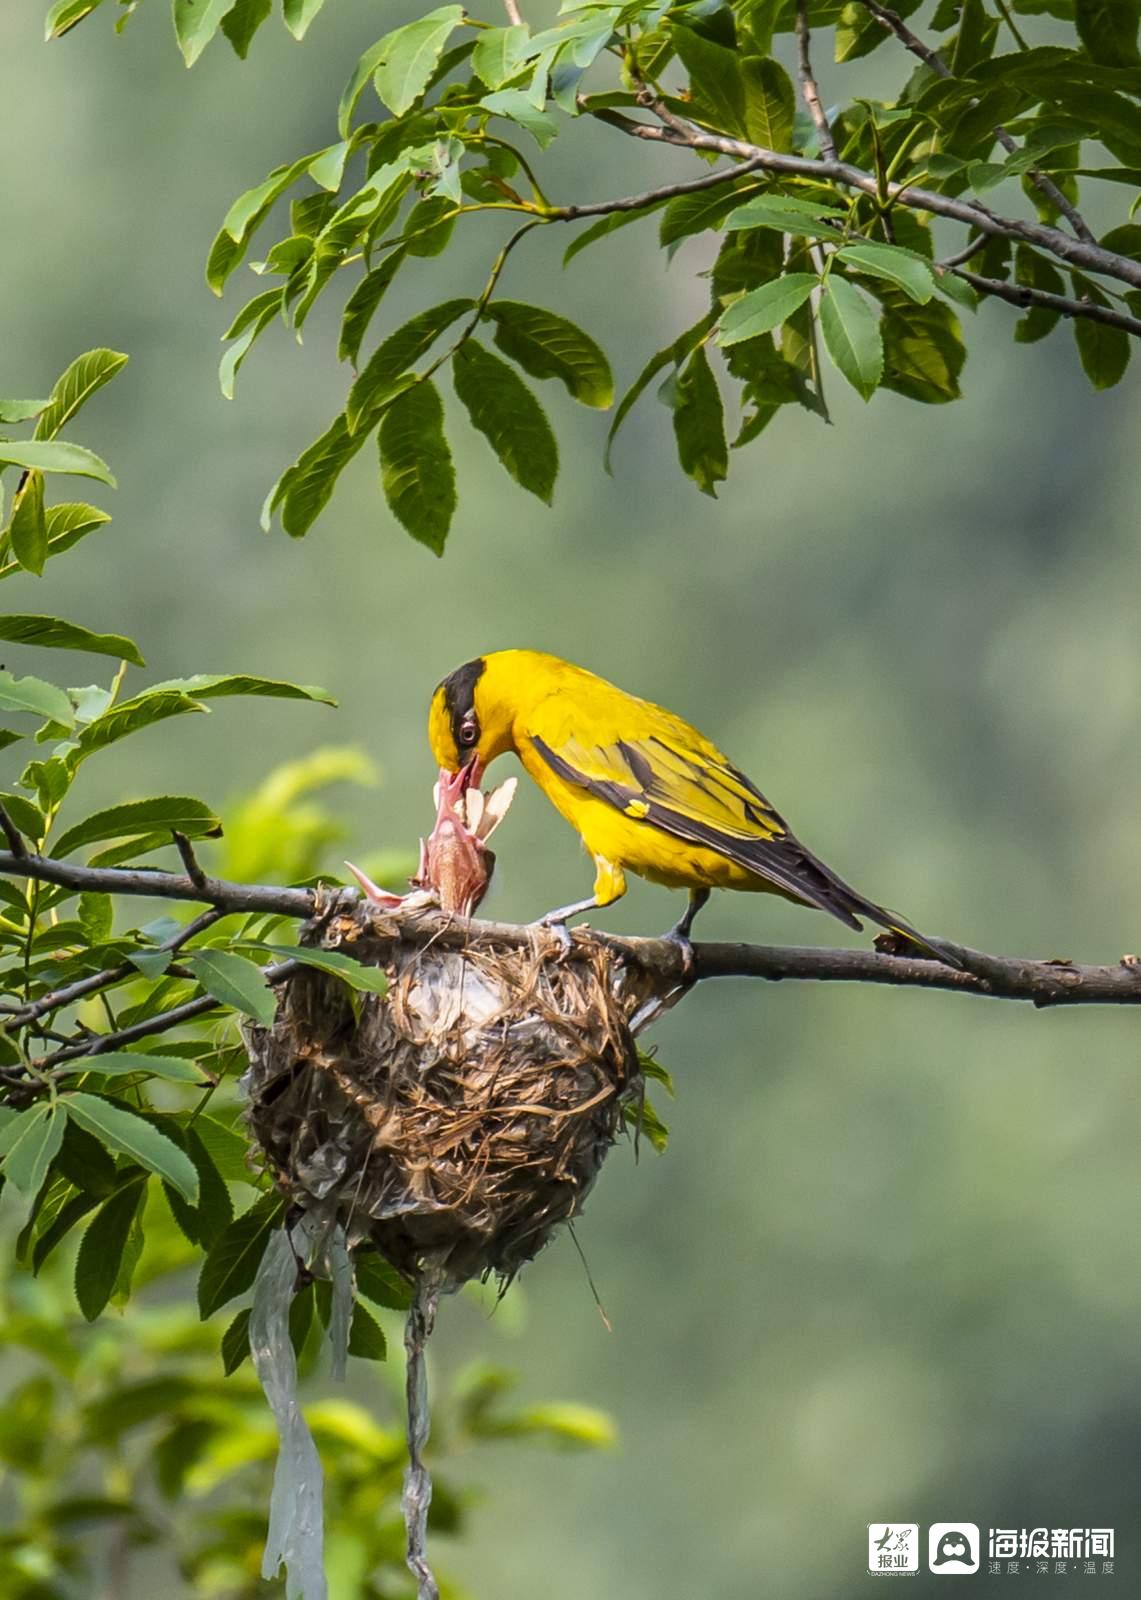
456 1121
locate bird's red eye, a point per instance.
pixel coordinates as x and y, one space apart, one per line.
469 732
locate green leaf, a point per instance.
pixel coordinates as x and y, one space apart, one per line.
29 1144
923 351
55 456
549 346
357 974
604 226
299 14
363 302
304 489
231 1265
372 389
716 86
1033 270
234 981
499 54
763 309
27 817
687 214
380 1282
240 24
168 813
65 14
32 694
675 352
86 1163
770 103
28 532
858 32
699 424
86 374
119 1129
195 24
236 1342
516 106
1104 351
227 1149
851 332
509 416
119 1063
52 633
907 271
20 410
366 1336
1108 29
416 465
787 214
409 56
202 1224
131 716
96 916
220 685
103 1247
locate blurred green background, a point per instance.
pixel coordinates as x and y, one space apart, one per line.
890 1267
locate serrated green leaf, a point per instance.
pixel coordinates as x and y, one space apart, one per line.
20 410
366 1336
55 456
168 813
131 716
509 416
235 1345
392 359
52 633
852 335
516 106
675 352
499 54
1104 351
27 817
304 489
65 14
907 271
119 1063
770 103
380 1282
363 302
605 226
409 55
195 24
688 214
416 465
716 87
231 1265
357 974
29 1144
763 309
547 345
102 1249
299 14
234 981
699 424
96 916
221 685
35 696
240 24
27 531
86 374
1034 271
119 1129
786 214
923 351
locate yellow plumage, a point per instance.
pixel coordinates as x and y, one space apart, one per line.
646 792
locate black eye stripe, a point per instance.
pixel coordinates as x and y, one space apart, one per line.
459 698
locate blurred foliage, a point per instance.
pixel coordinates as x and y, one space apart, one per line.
811 260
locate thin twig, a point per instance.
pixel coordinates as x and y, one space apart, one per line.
1022 294
1076 252
653 197
161 1022
970 249
161 885
514 15
12 834
808 86
931 58
82 987
189 860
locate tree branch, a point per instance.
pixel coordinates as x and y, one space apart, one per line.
1021 294
653 197
808 86
1043 983
894 23
12 834
1090 257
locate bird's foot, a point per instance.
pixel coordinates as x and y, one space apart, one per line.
562 935
678 936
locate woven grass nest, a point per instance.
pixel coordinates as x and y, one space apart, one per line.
459 1119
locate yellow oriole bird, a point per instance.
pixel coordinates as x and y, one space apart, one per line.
645 791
